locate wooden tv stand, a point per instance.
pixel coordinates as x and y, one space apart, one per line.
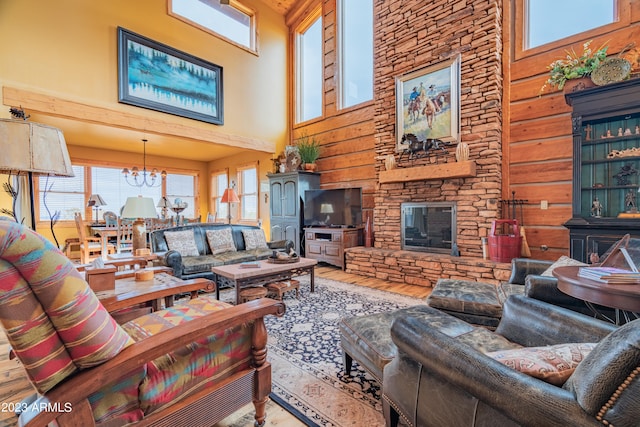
328 243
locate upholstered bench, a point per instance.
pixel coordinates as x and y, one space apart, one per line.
367 340
477 303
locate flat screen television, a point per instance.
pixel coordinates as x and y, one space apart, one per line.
340 207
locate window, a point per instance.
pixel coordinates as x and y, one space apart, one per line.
248 192
70 195
308 41
219 182
550 20
64 195
233 22
110 185
355 50
182 187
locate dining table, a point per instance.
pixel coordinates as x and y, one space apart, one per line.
104 232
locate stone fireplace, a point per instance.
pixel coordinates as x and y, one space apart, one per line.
427 34
428 226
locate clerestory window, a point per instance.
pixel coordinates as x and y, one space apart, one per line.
232 21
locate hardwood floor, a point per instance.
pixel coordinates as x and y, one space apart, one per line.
335 273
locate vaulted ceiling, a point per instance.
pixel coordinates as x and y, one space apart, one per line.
94 135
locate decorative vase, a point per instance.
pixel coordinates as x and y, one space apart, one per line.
368 233
574 85
390 162
311 167
462 152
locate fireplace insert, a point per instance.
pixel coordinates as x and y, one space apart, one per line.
428 226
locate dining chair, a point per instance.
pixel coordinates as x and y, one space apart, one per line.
90 246
124 240
110 219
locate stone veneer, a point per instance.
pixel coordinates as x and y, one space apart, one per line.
410 35
417 269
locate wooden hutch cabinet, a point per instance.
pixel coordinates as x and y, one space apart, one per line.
606 167
286 204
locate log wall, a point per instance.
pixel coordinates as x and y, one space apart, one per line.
520 139
346 135
537 142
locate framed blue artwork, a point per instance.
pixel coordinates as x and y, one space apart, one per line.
155 76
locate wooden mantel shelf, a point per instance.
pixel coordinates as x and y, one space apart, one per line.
464 169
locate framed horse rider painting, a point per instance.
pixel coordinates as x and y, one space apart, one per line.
428 103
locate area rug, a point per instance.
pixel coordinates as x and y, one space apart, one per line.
304 350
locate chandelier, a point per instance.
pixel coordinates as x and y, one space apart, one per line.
143 178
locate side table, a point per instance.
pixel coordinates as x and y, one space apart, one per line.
620 297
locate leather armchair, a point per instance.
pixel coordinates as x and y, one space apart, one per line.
442 376
191 364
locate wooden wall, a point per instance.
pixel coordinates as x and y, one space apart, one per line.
537 143
536 131
346 136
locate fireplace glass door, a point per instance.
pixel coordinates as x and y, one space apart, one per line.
428 226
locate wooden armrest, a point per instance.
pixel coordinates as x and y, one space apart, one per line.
75 389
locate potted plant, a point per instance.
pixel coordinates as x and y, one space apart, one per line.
309 150
575 67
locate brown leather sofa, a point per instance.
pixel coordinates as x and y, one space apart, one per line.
442 377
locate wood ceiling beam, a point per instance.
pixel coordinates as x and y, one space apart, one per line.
86 113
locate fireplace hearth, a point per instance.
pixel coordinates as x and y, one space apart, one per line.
428 226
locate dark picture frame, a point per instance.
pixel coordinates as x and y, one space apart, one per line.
440 116
158 77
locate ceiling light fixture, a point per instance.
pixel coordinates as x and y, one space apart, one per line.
140 177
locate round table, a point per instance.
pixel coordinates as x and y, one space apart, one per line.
620 297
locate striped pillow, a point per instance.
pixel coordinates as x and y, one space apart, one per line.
88 332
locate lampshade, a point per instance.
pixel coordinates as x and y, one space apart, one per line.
326 208
164 203
33 147
229 196
96 200
139 207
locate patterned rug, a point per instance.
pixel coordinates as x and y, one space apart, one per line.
304 350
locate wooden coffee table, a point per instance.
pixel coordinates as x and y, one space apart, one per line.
130 292
240 277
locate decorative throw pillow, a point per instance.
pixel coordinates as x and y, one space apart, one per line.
182 241
254 239
221 241
553 364
563 261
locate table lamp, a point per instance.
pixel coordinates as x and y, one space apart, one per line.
326 208
164 204
95 201
229 196
139 208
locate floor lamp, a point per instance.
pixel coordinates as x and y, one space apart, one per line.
33 149
139 208
229 196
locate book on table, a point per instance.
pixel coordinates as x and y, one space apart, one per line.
611 275
250 264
